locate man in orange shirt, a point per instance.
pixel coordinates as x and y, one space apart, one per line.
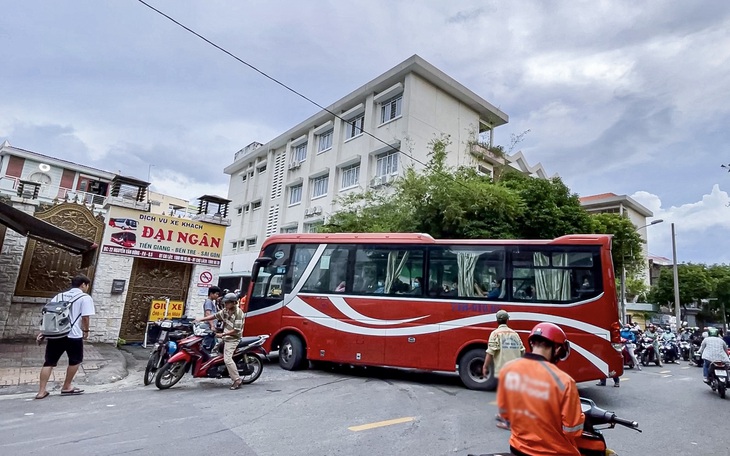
540 401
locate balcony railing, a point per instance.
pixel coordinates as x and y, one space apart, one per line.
486 154
48 193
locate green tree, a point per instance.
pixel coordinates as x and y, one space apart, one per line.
551 210
626 246
695 283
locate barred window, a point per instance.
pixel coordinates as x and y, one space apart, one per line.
319 186
350 176
386 164
325 141
390 109
355 126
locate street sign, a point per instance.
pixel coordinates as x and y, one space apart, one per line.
164 308
206 277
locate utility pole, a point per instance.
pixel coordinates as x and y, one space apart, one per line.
676 279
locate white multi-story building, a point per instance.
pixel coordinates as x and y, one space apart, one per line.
291 183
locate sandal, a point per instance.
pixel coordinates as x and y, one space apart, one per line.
42 396
236 384
73 392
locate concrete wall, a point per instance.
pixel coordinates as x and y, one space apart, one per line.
197 295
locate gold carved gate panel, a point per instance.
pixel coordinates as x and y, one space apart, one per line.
151 279
47 270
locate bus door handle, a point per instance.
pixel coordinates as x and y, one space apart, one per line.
411 340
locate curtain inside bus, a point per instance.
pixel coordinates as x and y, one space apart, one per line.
394 267
467 262
551 283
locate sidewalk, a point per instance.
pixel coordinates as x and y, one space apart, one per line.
20 366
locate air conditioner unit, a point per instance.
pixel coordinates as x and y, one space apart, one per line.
295 164
390 178
317 210
376 181
308 212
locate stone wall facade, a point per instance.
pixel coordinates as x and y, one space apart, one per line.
105 325
17 319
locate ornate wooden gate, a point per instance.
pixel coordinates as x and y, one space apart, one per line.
151 279
46 269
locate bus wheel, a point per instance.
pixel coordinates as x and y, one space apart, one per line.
470 371
291 353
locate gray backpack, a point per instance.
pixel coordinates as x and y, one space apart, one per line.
56 318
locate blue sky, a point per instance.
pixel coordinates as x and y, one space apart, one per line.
619 96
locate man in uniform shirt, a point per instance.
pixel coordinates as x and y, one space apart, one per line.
232 318
504 345
540 401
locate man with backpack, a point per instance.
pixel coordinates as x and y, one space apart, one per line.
64 327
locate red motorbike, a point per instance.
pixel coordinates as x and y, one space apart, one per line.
193 355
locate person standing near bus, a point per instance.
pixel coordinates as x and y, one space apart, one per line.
504 345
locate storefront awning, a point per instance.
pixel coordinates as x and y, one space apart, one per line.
37 229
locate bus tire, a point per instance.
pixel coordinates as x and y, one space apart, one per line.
470 371
291 353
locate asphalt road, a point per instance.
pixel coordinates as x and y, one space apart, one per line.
343 412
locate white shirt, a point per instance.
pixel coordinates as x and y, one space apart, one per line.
714 349
83 306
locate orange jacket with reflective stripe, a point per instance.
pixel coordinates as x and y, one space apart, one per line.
541 403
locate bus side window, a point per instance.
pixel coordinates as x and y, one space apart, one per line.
330 271
388 270
467 272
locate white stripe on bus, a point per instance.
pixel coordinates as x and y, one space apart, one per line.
341 305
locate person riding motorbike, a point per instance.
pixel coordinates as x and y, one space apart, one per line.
630 334
232 318
713 349
539 400
653 334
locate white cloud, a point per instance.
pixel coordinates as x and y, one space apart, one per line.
701 227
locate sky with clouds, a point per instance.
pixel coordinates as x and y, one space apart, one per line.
619 96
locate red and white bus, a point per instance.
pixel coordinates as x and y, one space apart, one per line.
410 301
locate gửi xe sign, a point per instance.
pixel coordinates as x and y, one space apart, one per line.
145 235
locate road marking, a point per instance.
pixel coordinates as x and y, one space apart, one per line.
625 379
665 376
493 403
665 372
28 414
687 367
365 427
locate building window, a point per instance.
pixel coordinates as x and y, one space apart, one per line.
256 205
300 153
250 242
355 126
350 176
247 208
261 169
235 245
386 164
325 141
289 229
390 109
319 186
243 177
239 210
313 227
295 195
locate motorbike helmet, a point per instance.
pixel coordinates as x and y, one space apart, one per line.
230 297
553 334
712 332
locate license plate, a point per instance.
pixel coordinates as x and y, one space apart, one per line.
166 324
721 373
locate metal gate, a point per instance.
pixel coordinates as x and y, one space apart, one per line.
47 270
151 279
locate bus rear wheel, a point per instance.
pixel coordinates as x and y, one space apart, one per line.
470 371
291 353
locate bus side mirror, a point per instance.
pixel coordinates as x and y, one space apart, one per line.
263 261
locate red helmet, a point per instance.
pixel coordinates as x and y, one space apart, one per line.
555 335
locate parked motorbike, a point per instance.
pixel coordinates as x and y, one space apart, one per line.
169 332
193 356
626 354
647 352
670 351
592 442
685 348
719 377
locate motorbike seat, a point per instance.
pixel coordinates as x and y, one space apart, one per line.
247 341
